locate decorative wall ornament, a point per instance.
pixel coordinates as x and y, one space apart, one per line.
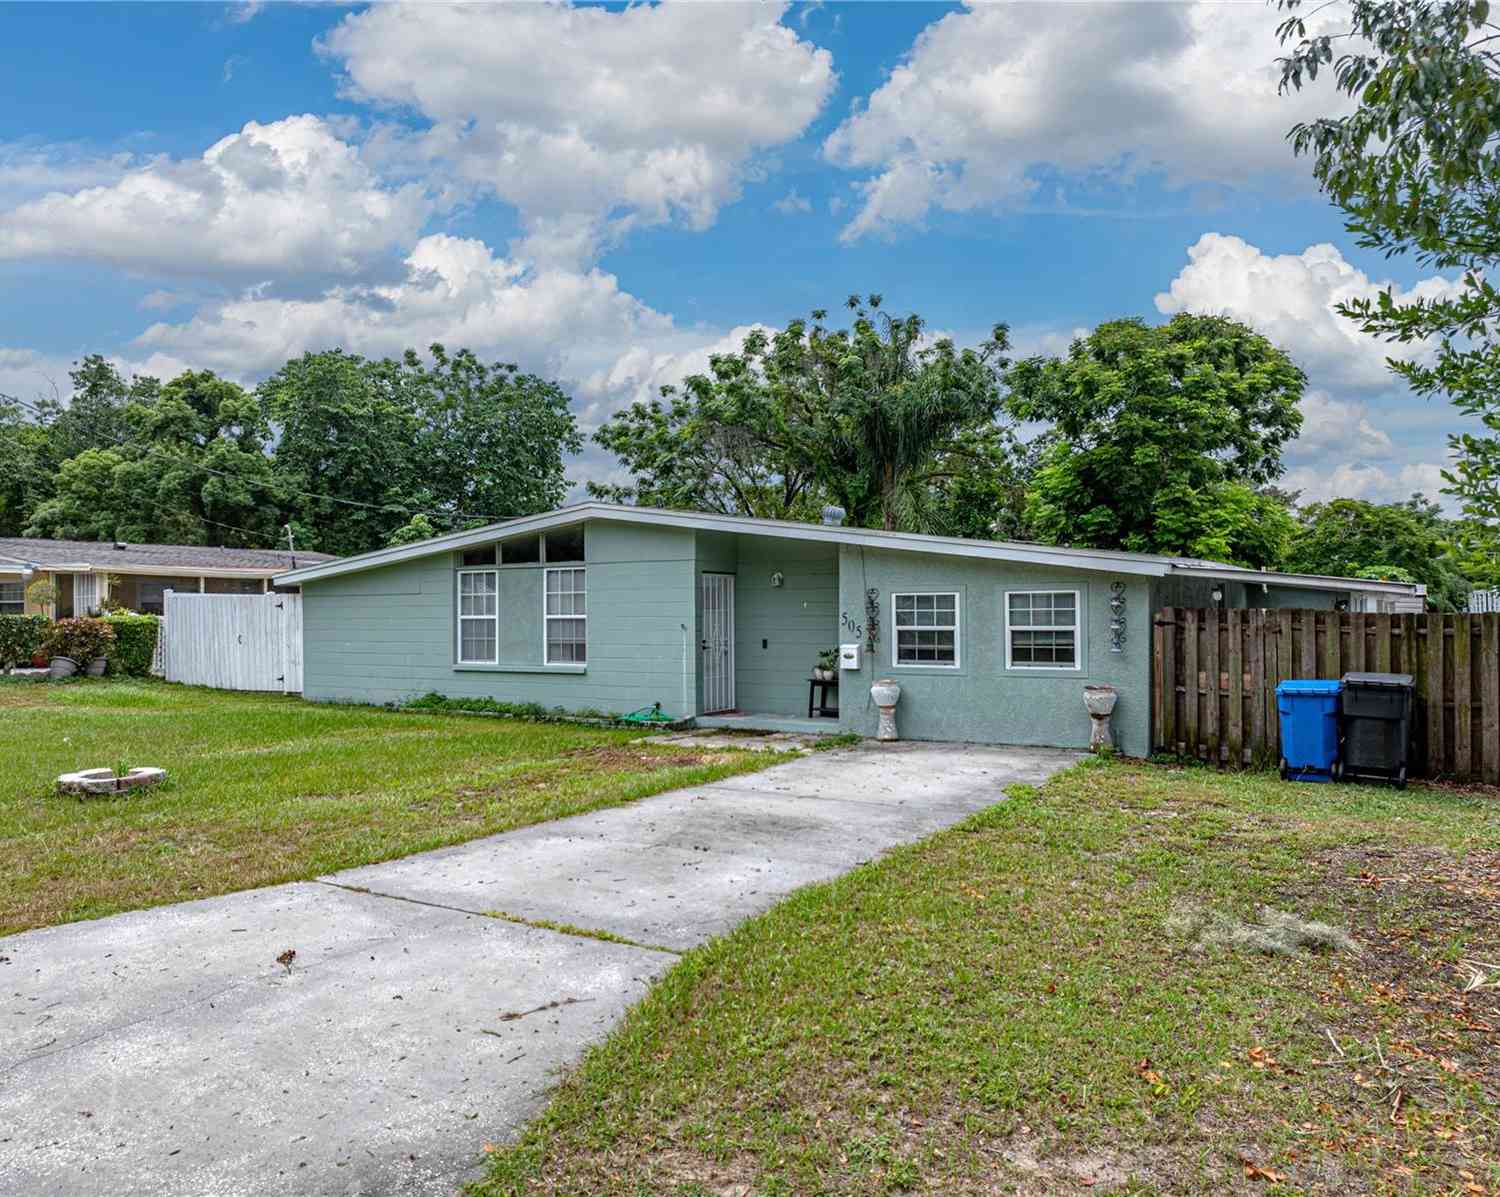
1117 632
777 579
872 619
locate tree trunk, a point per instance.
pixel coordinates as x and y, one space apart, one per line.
888 496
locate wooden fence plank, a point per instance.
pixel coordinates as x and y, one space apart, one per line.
1213 626
1285 658
1433 663
1332 657
1382 656
1190 721
1234 670
1306 625
1463 698
1358 629
1256 667
1161 692
1489 698
1169 671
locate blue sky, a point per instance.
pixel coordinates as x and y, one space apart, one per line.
611 194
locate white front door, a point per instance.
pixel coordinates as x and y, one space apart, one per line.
717 592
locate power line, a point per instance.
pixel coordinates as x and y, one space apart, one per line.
311 494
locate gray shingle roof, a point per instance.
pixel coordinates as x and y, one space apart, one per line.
187 557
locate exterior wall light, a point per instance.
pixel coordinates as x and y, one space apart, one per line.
777 579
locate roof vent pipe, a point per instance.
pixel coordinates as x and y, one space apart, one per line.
833 516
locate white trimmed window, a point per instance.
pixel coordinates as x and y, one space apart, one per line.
12 598
478 617
925 630
566 617
1041 629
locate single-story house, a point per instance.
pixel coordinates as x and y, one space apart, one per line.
87 574
723 618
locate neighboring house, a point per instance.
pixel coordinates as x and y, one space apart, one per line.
616 608
88 574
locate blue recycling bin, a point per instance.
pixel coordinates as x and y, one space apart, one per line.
1309 712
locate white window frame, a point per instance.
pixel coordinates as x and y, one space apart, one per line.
547 617
12 602
459 618
1076 628
956 629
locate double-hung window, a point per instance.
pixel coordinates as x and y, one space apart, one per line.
478 617
12 598
926 629
566 617
1041 629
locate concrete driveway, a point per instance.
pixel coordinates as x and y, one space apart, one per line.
167 1052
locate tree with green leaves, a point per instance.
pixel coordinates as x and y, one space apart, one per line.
878 417
1396 542
189 468
1163 436
364 446
1416 168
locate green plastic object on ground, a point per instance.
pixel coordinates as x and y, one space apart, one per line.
651 714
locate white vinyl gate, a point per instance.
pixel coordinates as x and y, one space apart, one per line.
718 642
233 641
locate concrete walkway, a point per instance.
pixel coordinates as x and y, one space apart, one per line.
167 1052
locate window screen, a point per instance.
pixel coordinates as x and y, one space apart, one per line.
478 617
566 617
926 628
1043 629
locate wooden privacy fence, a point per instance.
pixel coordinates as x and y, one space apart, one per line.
1214 678
233 641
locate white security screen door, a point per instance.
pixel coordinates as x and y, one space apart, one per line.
85 594
717 591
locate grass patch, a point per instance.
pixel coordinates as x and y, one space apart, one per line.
1010 1007
263 789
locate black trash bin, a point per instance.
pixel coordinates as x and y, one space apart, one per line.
1376 725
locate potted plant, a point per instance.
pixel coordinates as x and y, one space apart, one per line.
827 667
79 643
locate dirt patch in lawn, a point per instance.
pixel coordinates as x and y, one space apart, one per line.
646 760
1412 1071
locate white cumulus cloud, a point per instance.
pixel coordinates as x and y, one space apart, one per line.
285 199
989 94
590 121
455 290
1291 298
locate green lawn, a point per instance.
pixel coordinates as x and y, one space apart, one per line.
264 789
1012 1007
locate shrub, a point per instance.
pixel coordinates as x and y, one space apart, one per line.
20 638
135 643
79 639
531 712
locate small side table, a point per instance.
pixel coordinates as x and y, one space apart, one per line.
819 690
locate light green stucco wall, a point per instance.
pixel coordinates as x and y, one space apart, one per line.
388 634
779 630
982 700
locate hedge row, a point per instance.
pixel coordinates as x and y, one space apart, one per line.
135 643
129 641
20 639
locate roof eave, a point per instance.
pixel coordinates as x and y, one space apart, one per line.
896 541
1299 581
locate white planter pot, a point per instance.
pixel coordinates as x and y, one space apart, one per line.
61 667
822 675
1100 702
886 693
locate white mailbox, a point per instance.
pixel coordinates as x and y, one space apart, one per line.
849 656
